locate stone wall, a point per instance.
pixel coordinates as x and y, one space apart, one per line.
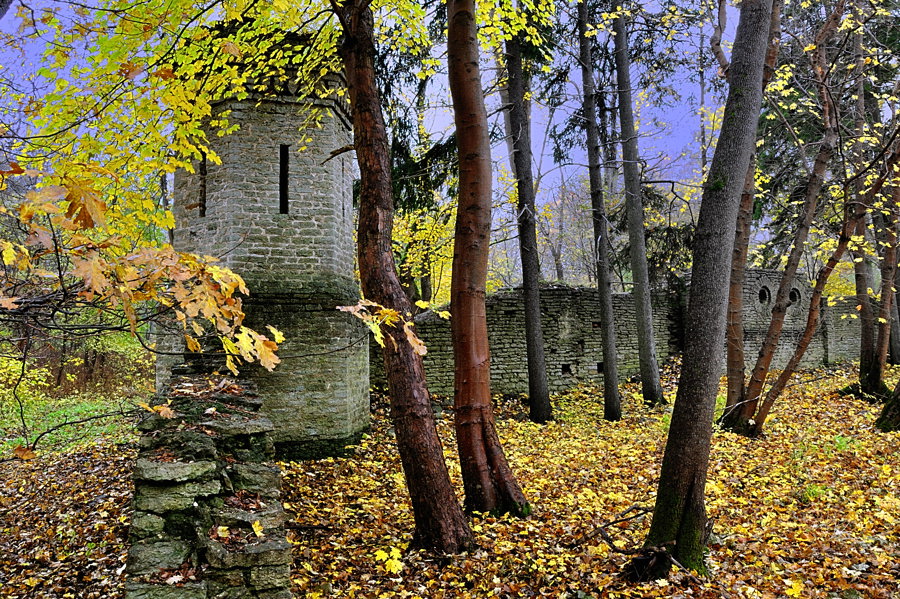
837 339
207 519
297 258
571 325
570 320
840 327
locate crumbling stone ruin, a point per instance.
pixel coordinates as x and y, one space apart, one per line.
207 519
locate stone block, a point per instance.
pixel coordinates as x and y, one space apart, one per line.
217 591
271 552
236 426
226 578
189 446
256 478
151 470
271 577
173 498
142 590
273 594
151 556
144 524
270 517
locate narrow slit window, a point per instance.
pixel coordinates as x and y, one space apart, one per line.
201 201
283 171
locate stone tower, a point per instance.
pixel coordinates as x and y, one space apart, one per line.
281 217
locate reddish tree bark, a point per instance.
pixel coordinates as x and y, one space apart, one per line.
440 522
734 329
735 354
888 243
488 480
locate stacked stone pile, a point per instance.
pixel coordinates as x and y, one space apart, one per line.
207 520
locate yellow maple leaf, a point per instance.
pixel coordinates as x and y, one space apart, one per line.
192 344
277 335
257 528
9 253
394 566
794 589
414 340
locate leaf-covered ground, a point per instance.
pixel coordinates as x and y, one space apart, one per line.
813 510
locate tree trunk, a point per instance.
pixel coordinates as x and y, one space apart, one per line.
870 370
440 523
888 242
612 403
738 400
895 324
488 480
734 329
679 522
650 385
610 177
853 213
520 132
747 420
889 419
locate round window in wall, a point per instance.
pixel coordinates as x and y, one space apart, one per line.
794 295
765 296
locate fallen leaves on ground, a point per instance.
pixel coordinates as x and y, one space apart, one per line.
812 510
809 511
64 522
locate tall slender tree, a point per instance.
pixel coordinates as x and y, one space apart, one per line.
440 523
649 369
680 528
520 131
487 478
612 403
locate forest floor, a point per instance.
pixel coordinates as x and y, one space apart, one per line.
811 510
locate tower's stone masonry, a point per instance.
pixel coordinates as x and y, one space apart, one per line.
282 218
309 249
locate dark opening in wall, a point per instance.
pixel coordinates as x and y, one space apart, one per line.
201 171
600 367
283 172
567 369
794 295
509 313
595 324
765 296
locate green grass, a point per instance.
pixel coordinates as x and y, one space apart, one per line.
80 417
